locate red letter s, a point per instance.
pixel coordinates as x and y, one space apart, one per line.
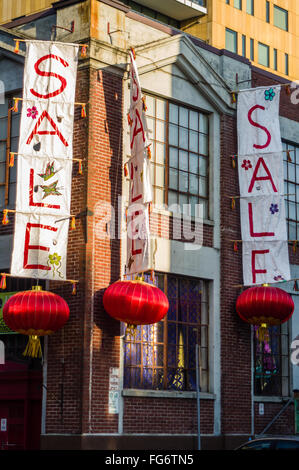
255 124
50 74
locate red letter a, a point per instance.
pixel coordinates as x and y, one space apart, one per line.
55 132
261 178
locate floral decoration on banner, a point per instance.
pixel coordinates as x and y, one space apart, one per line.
246 164
278 278
32 112
55 261
274 208
269 94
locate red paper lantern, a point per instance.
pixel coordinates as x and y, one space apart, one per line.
35 313
135 302
265 306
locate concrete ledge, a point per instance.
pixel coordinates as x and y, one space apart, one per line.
165 394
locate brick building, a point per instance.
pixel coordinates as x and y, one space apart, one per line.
188 87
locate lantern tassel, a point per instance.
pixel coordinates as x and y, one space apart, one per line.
289 156
131 330
80 167
233 161
233 203
3 282
73 223
263 333
83 51
33 348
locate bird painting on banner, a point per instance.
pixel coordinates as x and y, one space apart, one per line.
260 168
44 171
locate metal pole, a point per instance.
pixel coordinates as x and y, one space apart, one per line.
198 395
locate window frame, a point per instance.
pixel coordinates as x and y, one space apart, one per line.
235 34
277 9
282 380
261 44
166 383
250 7
8 144
201 157
291 198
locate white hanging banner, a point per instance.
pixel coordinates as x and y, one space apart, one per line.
258 121
265 262
44 172
260 169
140 191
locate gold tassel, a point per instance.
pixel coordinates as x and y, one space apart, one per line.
80 167
233 161
149 153
17 47
130 122
33 348
233 98
73 223
126 170
144 104
262 332
150 208
83 111
11 159
133 52
3 282
233 203
15 107
74 291
5 220
83 51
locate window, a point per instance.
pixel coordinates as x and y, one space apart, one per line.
252 49
263 54
291 177
280 18
9 137
231 40
271 376
275 59
286 64
250 7
162 356
267 12
238 4
227 2
243 45
180 146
